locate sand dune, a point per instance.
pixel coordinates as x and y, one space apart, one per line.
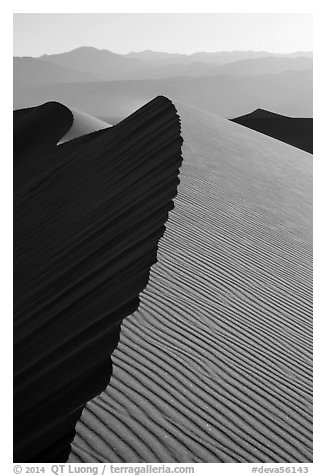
215 365
292 130
88 215
37 130
83 124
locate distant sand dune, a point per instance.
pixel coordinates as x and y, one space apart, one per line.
215 365
296 131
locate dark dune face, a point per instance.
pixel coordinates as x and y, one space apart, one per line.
294 131
37 130
88 215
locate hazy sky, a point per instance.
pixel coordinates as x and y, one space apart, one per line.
36 34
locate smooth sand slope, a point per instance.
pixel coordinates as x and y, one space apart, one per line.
296 131
88 215
83 124
215 365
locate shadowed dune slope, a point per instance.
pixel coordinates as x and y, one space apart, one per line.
292 130
215 365
86 228
37 130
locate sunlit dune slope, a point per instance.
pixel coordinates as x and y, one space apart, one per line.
215 365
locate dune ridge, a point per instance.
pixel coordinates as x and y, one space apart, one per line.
88 215
296 131
216 363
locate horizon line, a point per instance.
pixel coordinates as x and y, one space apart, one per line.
166 52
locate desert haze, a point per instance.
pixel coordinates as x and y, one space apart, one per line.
102 83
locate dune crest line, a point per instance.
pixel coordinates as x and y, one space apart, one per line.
88 215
